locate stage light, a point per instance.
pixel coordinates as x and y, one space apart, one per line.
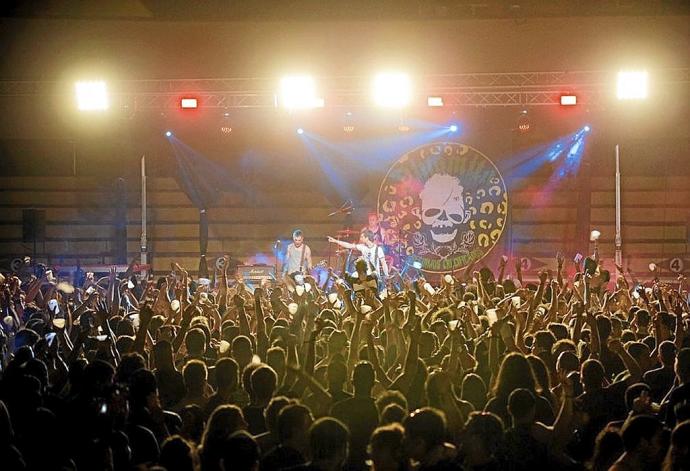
168 133
403 128
453 128
92 96
189 103
392 90
568 100
434 101
299 92
586 129
348 128
417 265
632 85
300 131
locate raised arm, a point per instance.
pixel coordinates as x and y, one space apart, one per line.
341 243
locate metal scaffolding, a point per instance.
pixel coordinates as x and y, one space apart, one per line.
457 90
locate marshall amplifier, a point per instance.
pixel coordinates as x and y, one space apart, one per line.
255 274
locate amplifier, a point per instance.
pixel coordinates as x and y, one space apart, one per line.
257 273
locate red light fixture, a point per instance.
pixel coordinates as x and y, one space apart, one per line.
189 103
568 100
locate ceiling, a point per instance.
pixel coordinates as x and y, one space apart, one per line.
315 10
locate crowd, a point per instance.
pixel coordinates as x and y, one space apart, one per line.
478 371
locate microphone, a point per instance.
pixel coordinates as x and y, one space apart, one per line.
277 244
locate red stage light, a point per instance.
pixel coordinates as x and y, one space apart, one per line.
568 100
189 103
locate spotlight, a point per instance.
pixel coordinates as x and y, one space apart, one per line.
403 128
92 96
392 90
434 101
632 85
568 100
299 92
189 103
417 265
168 133
348 128
453 128
300 131
225 129
586 128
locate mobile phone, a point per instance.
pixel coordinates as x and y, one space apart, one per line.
516 301
452 325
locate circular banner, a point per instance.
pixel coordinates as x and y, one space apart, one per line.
445 203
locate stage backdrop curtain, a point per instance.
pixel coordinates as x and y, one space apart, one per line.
204 182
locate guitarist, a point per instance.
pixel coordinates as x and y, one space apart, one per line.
371 252
298 256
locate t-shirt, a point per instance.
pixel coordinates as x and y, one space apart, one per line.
373 256
293 257
678 395
660 382
361 417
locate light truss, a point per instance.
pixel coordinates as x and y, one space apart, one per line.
471 89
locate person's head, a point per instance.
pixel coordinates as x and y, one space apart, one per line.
143 390
643 436
438 385
263 381
227 374
242 350
482 436
634 391
592 375
641 353
363 378
177 454
392 413
328 442
474 390
667 353
604 326
294 421
195 375
336 374
195 341
372 219
608 447
223 422
163 354
240 453
272 410
515 372
522 407
386 448
361 266
275 358
366 237
682 365
567 362
390 397
425 429
297 237
678 456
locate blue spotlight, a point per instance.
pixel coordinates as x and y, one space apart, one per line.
168 133
586 128
300 131
453 128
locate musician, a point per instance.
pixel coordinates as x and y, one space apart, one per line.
371 252
374 225
298 256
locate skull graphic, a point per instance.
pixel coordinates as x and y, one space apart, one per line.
443 208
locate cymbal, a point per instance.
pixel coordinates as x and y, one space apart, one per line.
347 232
